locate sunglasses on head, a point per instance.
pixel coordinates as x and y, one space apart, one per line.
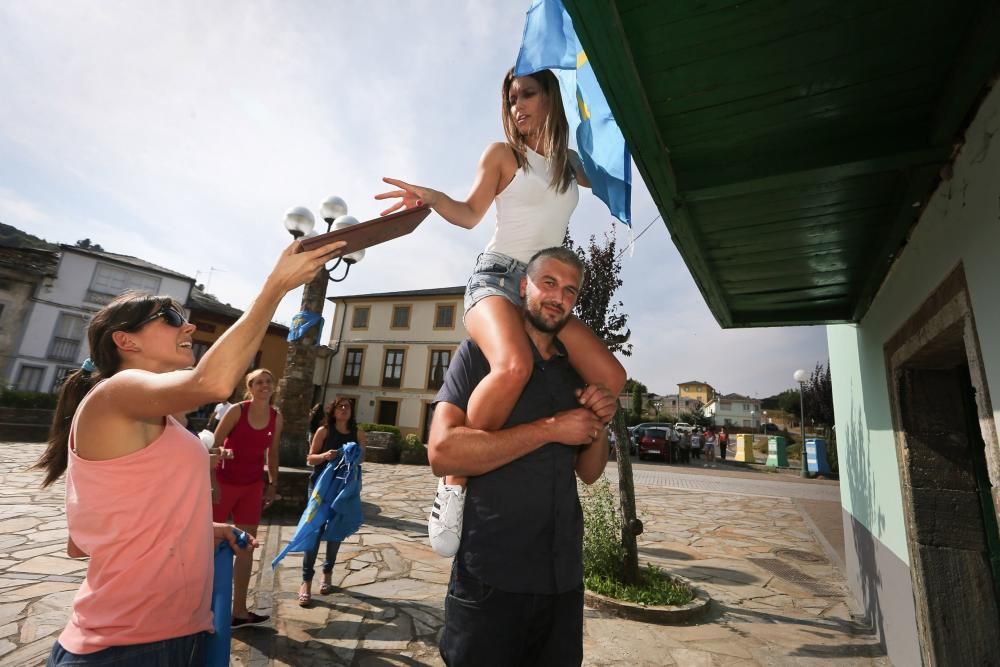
170 317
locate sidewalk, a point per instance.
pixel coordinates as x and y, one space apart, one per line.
778 600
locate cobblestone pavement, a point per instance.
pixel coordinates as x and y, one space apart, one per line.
770 607
749 483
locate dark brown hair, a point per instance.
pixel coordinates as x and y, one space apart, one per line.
331 415
124 313
555 129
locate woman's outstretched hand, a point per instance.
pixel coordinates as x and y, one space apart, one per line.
296 268
409 195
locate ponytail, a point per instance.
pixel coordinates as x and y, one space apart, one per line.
55 457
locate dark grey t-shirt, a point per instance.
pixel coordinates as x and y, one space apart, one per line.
523 527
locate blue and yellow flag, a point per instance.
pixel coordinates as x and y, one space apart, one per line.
550 42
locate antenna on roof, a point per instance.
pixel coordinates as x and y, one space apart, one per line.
211 270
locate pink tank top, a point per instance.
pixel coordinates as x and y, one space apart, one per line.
146 521
249 446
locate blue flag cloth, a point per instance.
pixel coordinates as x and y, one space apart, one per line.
217 644
334 509
550 42
303 321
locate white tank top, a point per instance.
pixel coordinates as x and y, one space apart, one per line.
531 215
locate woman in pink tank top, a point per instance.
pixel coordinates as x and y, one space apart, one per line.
250 431
137 485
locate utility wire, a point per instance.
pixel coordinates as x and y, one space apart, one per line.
632 241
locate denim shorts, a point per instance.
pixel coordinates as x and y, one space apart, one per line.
495 275
188 651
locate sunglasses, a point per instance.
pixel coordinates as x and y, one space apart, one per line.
170 317
343 406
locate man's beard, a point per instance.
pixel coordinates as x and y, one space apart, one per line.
532 312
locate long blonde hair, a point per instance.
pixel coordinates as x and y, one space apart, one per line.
554 131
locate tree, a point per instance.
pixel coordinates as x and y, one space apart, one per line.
87 245
818 395
630 384
788 401
595 308
637 395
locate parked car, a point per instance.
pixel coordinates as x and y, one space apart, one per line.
654 441
640 429
683 427
771 428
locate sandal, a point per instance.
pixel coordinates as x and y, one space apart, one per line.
305 598
326 588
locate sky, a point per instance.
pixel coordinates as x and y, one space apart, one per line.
181 131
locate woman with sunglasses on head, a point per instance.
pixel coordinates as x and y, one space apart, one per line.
137 490
532 178
250 432
339 429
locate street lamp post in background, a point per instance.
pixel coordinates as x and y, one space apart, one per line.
763 418
656 406
801 376
295 390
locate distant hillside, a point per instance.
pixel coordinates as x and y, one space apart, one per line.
12 237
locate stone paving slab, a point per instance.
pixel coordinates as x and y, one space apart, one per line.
387 608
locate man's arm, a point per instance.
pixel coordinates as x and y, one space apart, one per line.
455 449
592 459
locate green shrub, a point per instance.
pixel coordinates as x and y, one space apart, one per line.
9 398
411 443
603 553
655 587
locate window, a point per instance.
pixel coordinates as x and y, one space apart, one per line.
400 317
110 281
66 338
439 366
61 373
425 435
352 366
360 317
392 375
29 378
444 316
387 411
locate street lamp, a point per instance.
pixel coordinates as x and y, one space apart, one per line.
801 376
295 390
657 405
763 419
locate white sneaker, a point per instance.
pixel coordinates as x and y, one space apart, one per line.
444 526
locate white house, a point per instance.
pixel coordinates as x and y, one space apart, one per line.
53 342
734 410
390 352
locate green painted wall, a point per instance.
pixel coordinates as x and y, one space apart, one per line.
961 223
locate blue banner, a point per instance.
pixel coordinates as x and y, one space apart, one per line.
550 42
303 321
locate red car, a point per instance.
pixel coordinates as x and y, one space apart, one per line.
654 442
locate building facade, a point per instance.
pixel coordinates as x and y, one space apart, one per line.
389 353
913 383
22 272
699 391
734 410
54 340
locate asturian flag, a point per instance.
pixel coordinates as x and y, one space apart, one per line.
550 42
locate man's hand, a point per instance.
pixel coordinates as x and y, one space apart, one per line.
599 400
227 532
576 427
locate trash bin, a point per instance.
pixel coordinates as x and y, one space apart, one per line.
816 456
744 448
776 455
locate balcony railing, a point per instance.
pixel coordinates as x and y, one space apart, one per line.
64 349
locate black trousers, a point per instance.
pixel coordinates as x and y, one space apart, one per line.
484 626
